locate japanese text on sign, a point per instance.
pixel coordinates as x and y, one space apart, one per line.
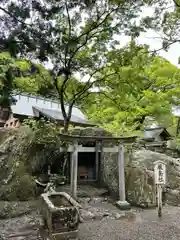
160 172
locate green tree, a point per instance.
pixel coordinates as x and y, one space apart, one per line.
166 22
6 81
144 86
21 75
74 35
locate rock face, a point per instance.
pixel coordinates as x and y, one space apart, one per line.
16 180
22 158
140 188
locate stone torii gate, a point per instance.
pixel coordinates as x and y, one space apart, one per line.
74 148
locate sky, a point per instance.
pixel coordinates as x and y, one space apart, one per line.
152 39
172 54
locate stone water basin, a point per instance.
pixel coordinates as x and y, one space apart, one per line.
60 215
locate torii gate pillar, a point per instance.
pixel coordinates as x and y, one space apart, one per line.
122 203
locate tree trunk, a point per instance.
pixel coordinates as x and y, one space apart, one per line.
66 125
140 122
65 130
178 127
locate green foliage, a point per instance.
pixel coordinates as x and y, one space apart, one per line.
144 86
79 37
75 35
21 75
5 80
46 132
47 141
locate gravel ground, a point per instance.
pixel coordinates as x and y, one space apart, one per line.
144 226
102 220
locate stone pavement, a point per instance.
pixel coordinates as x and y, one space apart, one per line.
103 221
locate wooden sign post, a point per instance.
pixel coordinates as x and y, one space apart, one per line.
160 181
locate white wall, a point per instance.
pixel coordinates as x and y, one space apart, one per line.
25 103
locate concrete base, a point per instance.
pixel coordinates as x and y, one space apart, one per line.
123 205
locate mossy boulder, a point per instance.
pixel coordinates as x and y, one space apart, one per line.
21 188
139 177
22 159
14 177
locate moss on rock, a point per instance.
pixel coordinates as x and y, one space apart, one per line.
22 158
139 177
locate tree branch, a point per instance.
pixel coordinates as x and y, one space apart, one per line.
66 96
85 86
84 96
162 48
61 97
96 26
69 34
88 36
111 99
79 94
177 4
88 85
15 18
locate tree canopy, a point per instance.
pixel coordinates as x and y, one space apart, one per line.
74 35
79 37
144 86
21 75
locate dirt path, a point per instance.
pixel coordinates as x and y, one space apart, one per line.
103 221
